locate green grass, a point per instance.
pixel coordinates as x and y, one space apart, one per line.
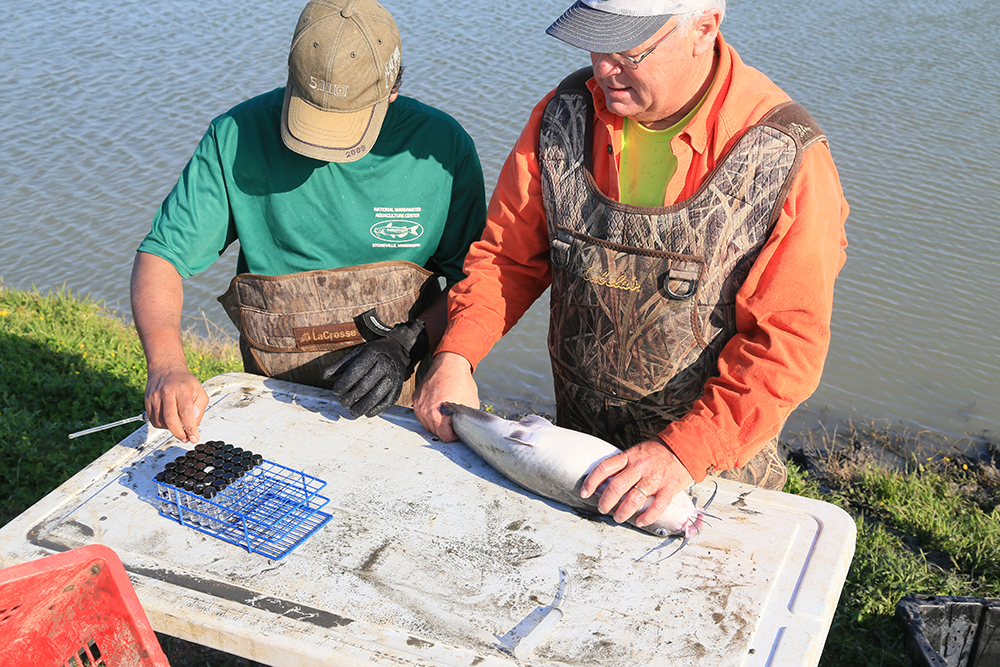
67 364
931 528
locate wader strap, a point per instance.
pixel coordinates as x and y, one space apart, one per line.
792 118
293 326
577 80
577 83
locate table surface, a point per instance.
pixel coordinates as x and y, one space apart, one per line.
433 558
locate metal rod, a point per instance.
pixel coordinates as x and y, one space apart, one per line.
137 418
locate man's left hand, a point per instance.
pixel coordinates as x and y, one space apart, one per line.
373 374
649 470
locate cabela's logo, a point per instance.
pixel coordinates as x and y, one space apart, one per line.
621 282
397 231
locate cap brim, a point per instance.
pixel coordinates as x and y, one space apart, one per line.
331 136
603 32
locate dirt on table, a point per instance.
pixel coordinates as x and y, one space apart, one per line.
834 456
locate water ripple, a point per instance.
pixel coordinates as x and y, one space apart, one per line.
98 123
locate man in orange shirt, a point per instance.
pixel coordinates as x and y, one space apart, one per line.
690 221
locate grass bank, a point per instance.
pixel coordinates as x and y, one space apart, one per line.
925 525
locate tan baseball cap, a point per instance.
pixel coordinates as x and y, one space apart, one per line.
343 62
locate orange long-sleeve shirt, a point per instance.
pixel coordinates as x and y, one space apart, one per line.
783 309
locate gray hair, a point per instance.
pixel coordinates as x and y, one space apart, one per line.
686 20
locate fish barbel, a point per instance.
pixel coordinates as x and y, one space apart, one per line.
553 462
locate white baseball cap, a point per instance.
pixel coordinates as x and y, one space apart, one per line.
613 26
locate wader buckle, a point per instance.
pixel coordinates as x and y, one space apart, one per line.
688 280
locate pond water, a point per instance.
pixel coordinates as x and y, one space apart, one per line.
101 104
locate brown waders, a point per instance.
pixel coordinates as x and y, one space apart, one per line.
293 326
643 298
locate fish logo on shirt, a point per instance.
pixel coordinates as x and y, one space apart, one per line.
397 231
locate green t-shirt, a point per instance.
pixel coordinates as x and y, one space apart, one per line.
417 196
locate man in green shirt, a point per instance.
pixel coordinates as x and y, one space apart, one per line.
348 201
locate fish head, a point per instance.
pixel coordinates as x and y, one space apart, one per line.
680 518
694 524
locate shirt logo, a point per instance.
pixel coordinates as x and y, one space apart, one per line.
397 231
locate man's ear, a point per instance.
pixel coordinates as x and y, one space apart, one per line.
706 30
393 95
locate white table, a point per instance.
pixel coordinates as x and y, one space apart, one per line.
432 558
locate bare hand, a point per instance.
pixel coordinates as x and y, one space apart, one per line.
647 471
177 401
448 380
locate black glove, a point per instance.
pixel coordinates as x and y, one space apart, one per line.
374 372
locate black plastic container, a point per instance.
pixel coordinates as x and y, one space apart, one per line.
951 631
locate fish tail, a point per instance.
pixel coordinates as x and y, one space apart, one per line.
448 409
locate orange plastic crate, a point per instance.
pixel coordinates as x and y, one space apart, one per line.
75 609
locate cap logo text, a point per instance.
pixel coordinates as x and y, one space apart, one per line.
391 68
328 87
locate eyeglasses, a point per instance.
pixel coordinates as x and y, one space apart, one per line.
632 62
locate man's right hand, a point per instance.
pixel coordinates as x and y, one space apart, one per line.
177 401
448 380
174 397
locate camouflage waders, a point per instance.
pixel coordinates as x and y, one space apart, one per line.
643 298
293 326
